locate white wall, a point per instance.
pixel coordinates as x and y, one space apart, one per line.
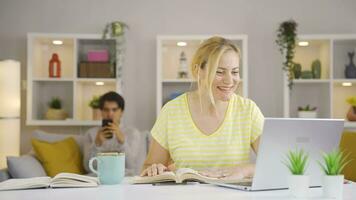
258 19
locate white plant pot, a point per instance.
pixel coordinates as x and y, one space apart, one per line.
307 114
298 185
333 186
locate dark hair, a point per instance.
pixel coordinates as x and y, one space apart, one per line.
113 97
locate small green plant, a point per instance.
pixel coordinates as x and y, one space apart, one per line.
94 102
306 108
297 161
351 100
55 103
334 162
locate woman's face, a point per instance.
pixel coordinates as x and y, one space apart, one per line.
227 76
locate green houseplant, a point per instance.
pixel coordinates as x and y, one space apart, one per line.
298 182
333 164
351 114
286 39
116 30
55 111
307 111
94 104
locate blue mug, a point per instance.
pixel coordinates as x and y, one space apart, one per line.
110 167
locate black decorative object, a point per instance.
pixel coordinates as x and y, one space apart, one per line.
350 70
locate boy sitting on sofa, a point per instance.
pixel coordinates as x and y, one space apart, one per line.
111 137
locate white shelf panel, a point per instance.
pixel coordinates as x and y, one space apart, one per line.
63 123
178 80
345 80
349 124
52 79
90 80
311 81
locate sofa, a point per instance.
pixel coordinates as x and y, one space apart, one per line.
136 151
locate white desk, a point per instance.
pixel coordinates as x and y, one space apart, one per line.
149 192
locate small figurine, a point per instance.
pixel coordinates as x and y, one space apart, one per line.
183 68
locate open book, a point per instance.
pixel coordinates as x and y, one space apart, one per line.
61 180
183 175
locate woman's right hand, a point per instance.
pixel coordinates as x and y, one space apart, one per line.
154 169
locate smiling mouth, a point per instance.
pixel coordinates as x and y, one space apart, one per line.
225 89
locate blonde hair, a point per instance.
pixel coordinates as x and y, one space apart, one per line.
207 57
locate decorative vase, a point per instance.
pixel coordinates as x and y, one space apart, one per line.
96 114
333 186
350 70
316 69
298 185
307 114
56 114
351 114
297 70
54 67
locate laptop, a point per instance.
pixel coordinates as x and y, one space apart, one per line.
283 134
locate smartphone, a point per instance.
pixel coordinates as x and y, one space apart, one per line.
104 123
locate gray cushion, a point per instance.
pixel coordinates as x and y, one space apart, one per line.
25 166
136 150
55 137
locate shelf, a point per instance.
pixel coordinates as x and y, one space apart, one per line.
344 80
311 81
75 92
85 90
310 94
349 124
52 79
178 81
44 91
340 56
317 49
89 80
340 94
63 123
41 53
88 68
171 56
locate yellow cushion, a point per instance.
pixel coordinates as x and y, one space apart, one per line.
347 144
61 156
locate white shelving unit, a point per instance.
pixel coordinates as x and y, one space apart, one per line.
327 93
168 54
74 91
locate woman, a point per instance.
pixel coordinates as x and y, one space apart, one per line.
210 129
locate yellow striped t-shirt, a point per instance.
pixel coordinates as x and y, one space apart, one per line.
228 146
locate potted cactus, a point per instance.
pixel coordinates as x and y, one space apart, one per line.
351 114
55 111
307 112
94 104
298 182
334 163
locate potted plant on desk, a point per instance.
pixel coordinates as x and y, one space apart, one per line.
298 182
307 112
333 181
